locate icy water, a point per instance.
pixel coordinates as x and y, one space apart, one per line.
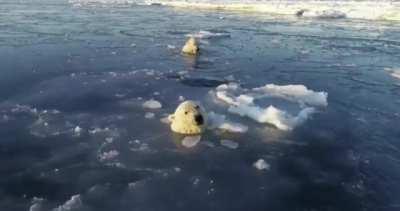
75 135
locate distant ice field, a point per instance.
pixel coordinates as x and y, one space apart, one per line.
367 9
303 111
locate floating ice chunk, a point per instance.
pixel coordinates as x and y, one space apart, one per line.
394 72
171 47
181 98
229 144
118 95
109 140
191 141
294 93
36 204
99 130
142 147
207 34
242 102
165 120
233 127
149 72
149 115
110 155
196 181
73 204
77 130
24 108
260 164
113 74
152 104
279 118
6 118
219 121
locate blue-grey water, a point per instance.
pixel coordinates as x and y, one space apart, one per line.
73 132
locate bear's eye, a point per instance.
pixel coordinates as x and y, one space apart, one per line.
186 112
197 107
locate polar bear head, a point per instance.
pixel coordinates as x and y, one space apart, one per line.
191 47
189 118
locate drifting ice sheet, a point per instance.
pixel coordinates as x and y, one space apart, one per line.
219 121
367 9
241 102
73 204
394 72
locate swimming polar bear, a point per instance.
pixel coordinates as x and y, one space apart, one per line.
191 47
189 118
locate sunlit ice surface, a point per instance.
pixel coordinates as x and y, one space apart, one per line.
86 88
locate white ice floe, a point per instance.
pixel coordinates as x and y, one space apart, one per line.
74 203
36 204
172 47
366 9
149 115
207 34
260 164
294 93
77 130
142 147
24 109
229 144
99 130
394 72
279 118
191 141
152 104
110 155
219 121
165 120
109 140
242 102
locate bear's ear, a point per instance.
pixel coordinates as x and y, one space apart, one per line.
171 117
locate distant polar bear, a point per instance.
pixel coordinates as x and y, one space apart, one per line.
189 118
191 47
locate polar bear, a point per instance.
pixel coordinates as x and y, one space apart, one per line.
189 118
191 47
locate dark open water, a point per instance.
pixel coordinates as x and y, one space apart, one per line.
73 80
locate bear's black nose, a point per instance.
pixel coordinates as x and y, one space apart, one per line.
199 119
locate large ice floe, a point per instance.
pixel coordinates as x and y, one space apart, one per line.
219 121
282 106
367 9
394 72
73 204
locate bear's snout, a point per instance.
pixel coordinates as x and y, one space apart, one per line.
199 119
